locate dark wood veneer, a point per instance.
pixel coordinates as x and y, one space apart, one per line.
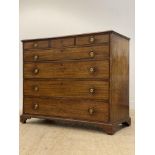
69 108
119 79
75 53
76 89
81 69
78 78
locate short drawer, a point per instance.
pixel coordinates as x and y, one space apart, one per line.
73 109
67 88
74 69
93 52
62 42
92 39
36 44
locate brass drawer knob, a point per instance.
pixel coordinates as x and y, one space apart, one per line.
92 69
92 90
35 45
36 71
36 88
91 111
35 57
36 106
92 39
92 54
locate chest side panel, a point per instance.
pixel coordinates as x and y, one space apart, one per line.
119 78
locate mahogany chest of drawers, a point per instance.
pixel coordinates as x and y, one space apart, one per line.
80 78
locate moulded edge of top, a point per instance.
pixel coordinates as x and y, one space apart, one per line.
75 35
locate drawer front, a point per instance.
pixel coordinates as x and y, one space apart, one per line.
63 42
58 88
76 69
94 52
73 109
92 39
36 44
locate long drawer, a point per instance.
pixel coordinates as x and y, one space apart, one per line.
73 109
74 69
67 88
93 52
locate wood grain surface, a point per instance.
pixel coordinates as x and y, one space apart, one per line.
77 53
69 108
62 42
81 78
119 79
74 69
36 44
97 38
75 89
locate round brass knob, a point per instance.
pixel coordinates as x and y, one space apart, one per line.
91 90
92 39
92 69
36 71
36 106
35 45
92 54
35 57
36 88
91 111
